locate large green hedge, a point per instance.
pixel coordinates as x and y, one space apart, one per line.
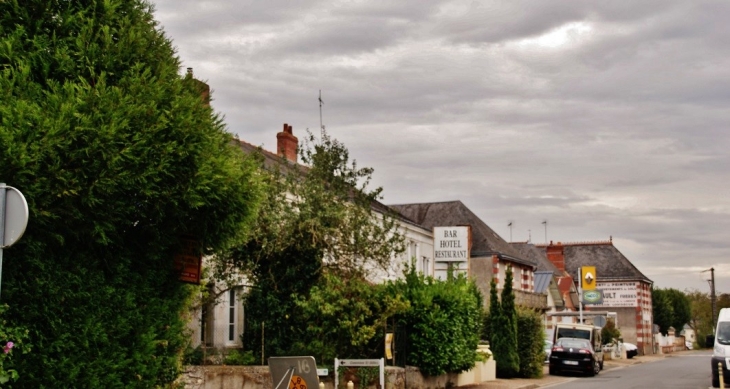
118 157
443 323
530 343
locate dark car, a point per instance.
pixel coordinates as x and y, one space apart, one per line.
573 354
547 348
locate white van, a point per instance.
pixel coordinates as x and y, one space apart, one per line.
582 331
721 350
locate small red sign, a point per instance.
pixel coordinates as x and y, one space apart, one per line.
188 261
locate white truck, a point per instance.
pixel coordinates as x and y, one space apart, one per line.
721 349
582 331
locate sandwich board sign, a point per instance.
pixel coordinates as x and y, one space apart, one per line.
293 373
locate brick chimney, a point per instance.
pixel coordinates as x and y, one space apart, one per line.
287 144
556 255
200 86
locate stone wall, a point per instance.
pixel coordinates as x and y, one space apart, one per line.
259 377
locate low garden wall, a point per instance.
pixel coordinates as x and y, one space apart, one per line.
259 377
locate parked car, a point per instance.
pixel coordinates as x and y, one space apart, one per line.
631 350
574 354
548 347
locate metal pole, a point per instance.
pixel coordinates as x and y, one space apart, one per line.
713 298
262 343
580 300
2 228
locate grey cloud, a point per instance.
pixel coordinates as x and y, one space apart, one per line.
622 133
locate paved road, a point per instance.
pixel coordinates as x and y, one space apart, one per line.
686 370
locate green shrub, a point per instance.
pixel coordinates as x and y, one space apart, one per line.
343 318
193 356
530 343
239 357
443 322
609 332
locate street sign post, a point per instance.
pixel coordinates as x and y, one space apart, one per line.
361 363
587 282
13 218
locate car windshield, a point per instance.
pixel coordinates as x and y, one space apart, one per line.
574 343
723 332
573 333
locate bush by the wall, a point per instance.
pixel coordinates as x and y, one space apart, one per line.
530 342
443 323
609 332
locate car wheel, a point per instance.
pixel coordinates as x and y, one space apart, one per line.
552 371
596 369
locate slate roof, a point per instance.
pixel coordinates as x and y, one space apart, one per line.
270 160
537 256
610 263
485 242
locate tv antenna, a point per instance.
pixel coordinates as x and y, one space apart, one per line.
544 222
510 230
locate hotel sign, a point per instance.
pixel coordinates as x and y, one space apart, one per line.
451 244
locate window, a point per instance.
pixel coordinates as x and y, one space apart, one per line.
232 315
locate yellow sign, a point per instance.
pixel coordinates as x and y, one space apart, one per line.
389 345
588 277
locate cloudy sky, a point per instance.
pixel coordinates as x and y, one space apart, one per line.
607 119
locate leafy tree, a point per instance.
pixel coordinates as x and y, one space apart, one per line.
701 312
701 315
443 322
681 310
118 157
671 308
503 329
609 332
345 319
530 343
662 310
316 218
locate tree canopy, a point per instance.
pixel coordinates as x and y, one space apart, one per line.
315 218
671 308
118 157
